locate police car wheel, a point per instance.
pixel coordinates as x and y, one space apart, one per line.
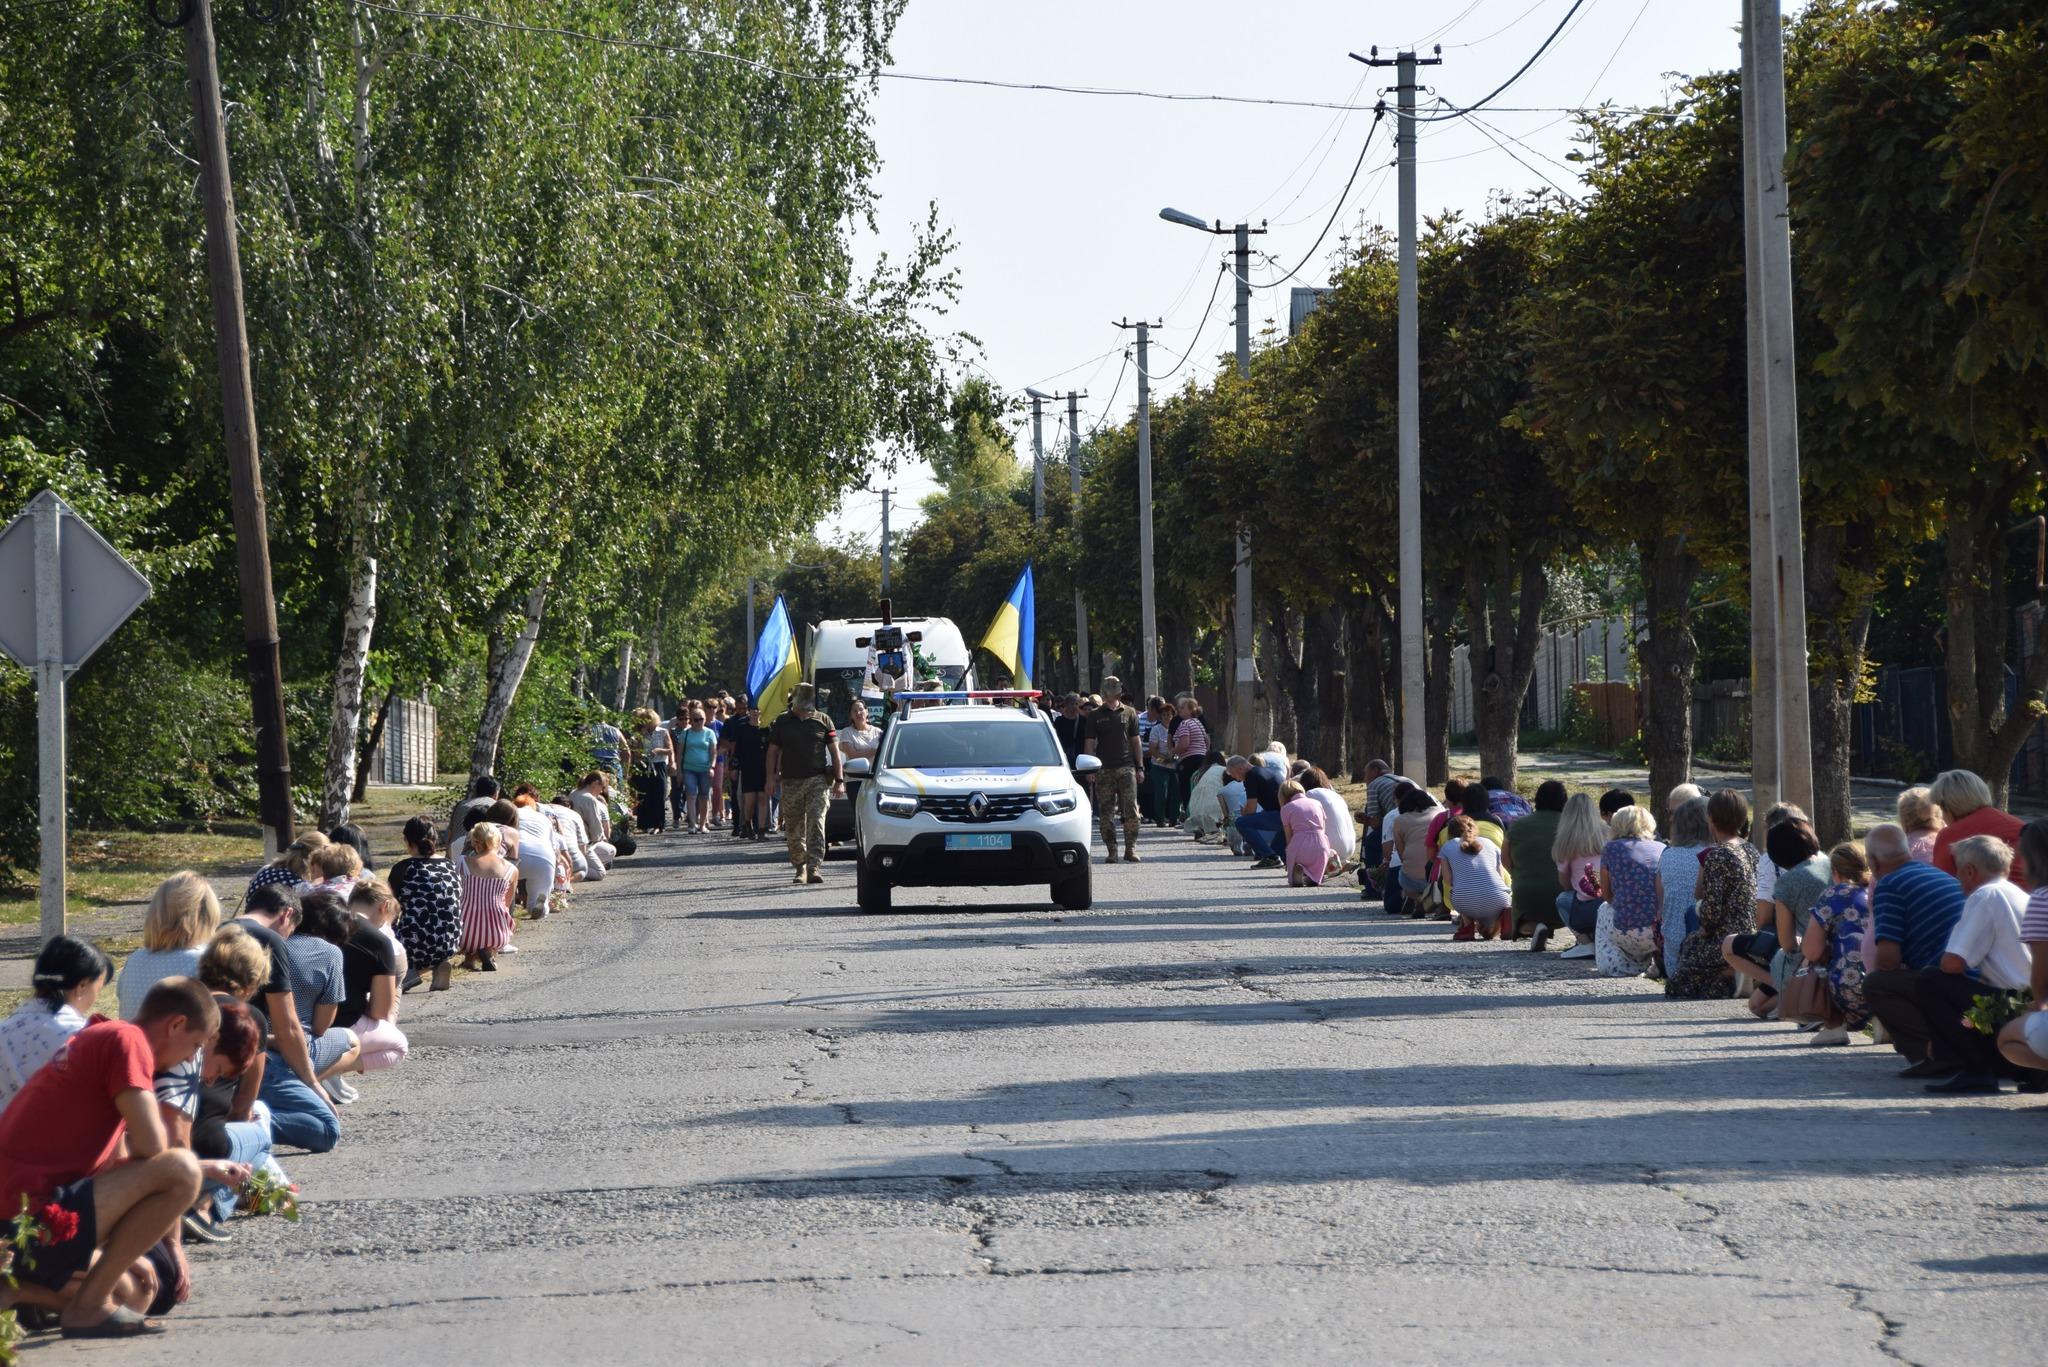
1076 893
871 890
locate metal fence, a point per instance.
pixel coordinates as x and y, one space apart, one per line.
409 750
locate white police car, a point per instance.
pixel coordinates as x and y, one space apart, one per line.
965 794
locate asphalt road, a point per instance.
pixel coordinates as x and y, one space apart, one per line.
708 1117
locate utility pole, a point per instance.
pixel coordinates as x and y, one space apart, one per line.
885 541
1148 617
1244 672
1245 677
238 411
1777 553
1037 455
1074 482
1414 757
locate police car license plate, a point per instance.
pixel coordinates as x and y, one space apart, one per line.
977 842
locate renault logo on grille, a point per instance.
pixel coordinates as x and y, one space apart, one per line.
977 806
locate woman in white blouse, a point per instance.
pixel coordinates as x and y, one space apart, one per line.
68 977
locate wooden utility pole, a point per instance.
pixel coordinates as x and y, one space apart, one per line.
238 414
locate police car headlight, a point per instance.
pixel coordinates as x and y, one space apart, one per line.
896 804
1058 804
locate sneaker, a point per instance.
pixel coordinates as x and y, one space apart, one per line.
1465 931
1582 950
1539 939
1829 1038
509 949
1269 862
338 1088
199 1227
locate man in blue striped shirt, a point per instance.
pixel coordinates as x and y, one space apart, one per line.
1913 907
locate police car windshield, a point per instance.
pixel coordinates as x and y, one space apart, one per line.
963 744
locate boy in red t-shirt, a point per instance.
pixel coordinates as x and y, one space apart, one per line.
65 1128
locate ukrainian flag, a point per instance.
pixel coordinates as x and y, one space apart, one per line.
1013 636
775 669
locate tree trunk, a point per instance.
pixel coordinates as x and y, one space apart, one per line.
1296 662
1176 668
1440 610
345 716
508 668
1506 612
1669 657
1839 599
369 745
1371 722
625 675
1985 734
1325 641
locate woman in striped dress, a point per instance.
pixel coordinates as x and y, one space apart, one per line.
488 883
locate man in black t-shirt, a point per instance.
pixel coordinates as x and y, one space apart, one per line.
745 743
300 1111
803 755
1259 823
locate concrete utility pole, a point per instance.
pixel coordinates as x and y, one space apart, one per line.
1038 399
1148 619
1781 736
1414 757
885 540
238 410
1074 482
1244 671
1245 676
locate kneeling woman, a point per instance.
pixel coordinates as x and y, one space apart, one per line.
1479 890
1308 843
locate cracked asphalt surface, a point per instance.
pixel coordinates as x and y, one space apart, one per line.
711 1117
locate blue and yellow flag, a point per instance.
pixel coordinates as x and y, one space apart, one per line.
774 669
1013 636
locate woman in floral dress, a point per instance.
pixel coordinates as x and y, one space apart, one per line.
429 893
1838 935
1726 893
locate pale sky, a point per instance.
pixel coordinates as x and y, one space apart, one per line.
1053 199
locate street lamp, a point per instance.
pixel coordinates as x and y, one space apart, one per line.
1241 677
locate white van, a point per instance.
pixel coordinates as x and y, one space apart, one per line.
842 660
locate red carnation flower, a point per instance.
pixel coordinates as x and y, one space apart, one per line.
59 1225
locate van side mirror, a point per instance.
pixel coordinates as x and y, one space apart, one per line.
857 768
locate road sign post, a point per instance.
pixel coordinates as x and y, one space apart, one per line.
68 591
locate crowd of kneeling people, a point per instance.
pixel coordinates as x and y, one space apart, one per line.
1928 931
124 1139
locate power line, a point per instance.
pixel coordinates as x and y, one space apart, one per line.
1327 140
1486 129
1379 117
1115 389
852 74
1520 71
1196 340
1487 38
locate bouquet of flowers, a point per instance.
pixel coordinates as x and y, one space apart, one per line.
265 1194
1991 1010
